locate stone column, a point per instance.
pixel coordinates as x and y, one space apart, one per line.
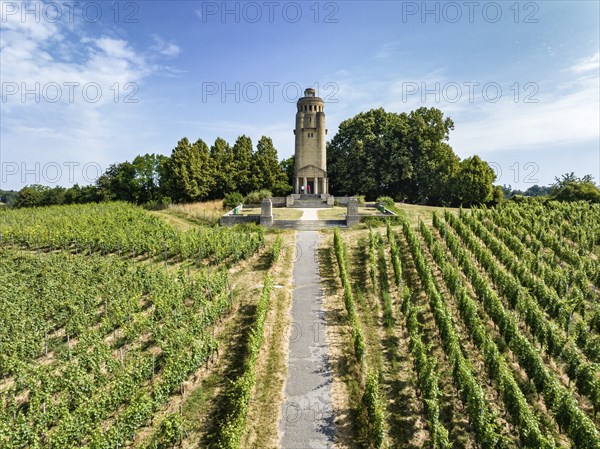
352 216
266 212
297 190
316 183
305 185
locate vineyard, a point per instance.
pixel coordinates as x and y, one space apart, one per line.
106 312
480 329
459 329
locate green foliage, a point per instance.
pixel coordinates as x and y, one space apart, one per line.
188 175
288 166
232 200
387 201
232 429
360 199
276 251
531 303
168 434
473 182
404 156
571 188
242 165
117 227
358 338
267 172
374 409
88 397
221 159
257 196
8 197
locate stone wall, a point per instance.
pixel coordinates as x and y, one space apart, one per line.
230 220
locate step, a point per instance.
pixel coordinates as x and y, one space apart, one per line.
310 203
308 225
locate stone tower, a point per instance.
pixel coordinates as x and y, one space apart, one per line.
311 154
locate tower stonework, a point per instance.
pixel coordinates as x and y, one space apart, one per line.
311 155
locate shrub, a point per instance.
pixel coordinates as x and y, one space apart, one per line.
257 196
232 200
387 201
276 250
361 199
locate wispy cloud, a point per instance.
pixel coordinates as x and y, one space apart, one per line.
167 49
76 90
587 65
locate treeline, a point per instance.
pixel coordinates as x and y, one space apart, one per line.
374 154
407 157
193 172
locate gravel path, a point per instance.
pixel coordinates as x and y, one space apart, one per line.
307 414
309 213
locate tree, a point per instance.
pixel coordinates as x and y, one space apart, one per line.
433 160
473 182
242 165
187 175
31 196
54 196
571 188
288 166
9 197
118 182
404 156
267 173
146 182
221 159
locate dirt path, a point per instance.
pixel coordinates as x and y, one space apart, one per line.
307 414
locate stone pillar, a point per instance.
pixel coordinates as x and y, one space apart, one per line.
297 189
266 212
352 216
305 185
316 183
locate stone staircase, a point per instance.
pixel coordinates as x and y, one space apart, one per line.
309 201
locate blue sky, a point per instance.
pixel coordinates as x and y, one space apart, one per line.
87 85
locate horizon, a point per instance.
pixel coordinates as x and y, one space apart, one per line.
101 83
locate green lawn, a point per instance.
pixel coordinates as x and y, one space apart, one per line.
414 212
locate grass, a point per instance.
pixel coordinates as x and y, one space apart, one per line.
204 407
339 212
206 212
414 212
264 409
284 213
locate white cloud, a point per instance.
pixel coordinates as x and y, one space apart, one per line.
167 49
43 57
586 65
